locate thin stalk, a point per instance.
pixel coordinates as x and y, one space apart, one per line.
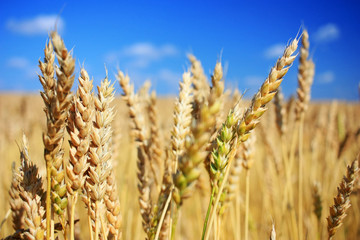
238 215
287 173
208 213
218 232
170 228
163 214
72 215
215 227
103 229
174 222
301 163
65 231
52 225
288 194
288 184
96 220
319 230
89 219
293 144
48 201
247 204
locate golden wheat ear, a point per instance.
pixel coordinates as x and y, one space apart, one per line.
99 156
342 199
30 192
17 210
142 150
57 98
195 149
79 128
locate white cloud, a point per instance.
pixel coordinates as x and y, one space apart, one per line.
274 51
23 65
40 24
253 81
168 75
326 77
327 33
140 55
148 50
17 62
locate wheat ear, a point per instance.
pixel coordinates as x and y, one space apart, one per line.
305 76
266 92
305 79
225 143
155 144
112 204
57 98
188 164
17 211
65 79
201 86
342 199
182 118
280 112
180 130
79 129
100 154
257 109
143 185
31 192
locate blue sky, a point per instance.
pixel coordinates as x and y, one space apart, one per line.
151 39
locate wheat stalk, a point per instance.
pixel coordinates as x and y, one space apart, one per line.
201 86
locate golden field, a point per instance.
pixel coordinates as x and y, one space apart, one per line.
329 127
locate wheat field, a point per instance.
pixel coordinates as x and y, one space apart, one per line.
85 163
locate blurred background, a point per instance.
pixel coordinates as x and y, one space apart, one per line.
151 40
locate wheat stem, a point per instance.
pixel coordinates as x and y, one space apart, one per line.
163 214
208 213
72 215
247 201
